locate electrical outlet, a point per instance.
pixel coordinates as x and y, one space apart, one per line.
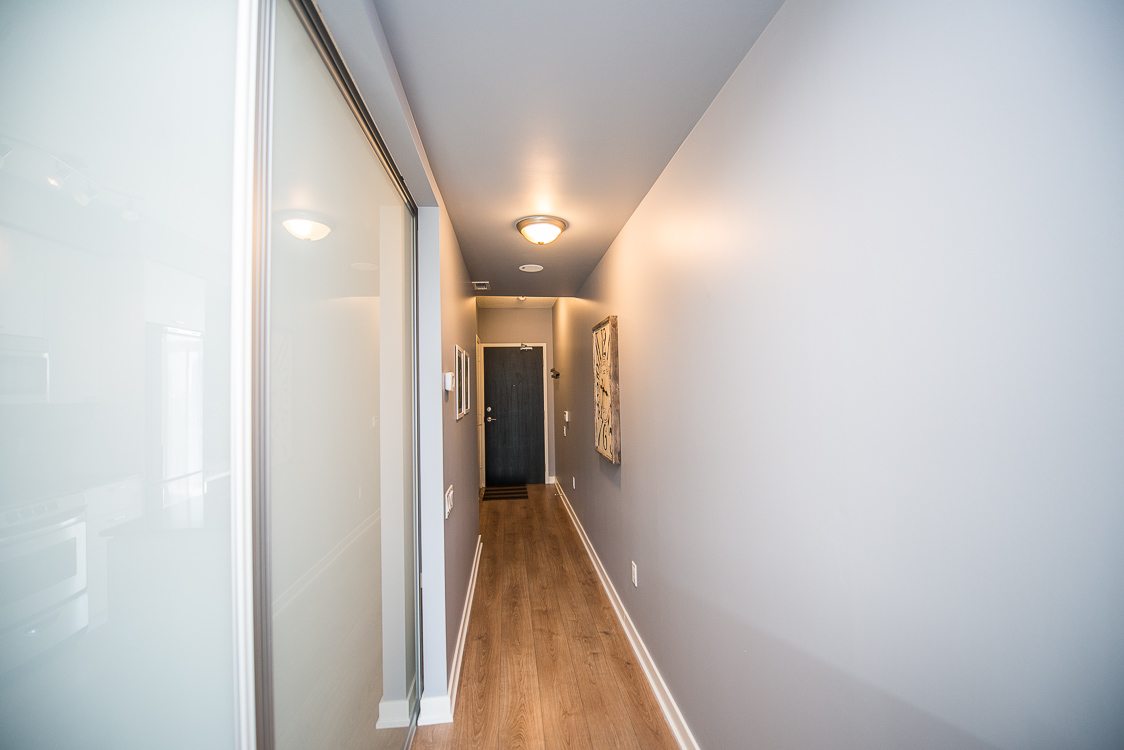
634 584
448 501
573 483
565 427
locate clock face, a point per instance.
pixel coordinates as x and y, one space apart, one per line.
604 414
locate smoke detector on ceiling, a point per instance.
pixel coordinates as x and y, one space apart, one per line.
481 286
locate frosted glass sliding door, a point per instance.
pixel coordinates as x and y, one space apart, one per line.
116 163
340 445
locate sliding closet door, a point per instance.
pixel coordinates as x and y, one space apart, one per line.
340 429
116 163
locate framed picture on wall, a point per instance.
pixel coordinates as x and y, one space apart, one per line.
464 382
606 390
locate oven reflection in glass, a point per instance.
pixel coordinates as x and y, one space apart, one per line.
43 581
54 554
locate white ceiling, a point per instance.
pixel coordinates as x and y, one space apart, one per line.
566 108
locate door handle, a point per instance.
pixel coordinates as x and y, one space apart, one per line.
490 419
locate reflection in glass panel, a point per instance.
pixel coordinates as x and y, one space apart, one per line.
340 420
115 222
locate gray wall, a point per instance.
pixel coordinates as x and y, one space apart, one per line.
532 325
872 384
458 328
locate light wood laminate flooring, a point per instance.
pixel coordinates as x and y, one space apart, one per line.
546 664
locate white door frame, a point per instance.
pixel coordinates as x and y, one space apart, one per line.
545 408
480 409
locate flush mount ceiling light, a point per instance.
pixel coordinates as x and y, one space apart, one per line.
541 230
306 229
530 268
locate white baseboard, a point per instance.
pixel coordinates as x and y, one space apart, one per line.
552 479
462 634
397 713
435 709
393 714
667 702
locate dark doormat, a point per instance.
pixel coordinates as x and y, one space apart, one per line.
518 492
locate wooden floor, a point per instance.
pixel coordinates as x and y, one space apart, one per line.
546 664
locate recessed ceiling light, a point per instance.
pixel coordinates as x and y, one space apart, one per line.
522 298
530 268
541 230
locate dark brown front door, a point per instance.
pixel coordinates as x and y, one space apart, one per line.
513 416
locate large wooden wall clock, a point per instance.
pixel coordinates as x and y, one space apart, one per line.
606 390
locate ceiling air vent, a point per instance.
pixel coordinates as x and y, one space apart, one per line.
481 286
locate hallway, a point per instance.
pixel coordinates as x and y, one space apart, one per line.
546 663
796 327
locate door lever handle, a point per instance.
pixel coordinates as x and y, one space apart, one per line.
490 419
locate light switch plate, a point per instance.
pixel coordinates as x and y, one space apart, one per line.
448 501
449 382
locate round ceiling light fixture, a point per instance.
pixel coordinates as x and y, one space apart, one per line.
530 268
541 230
306 229
303 224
